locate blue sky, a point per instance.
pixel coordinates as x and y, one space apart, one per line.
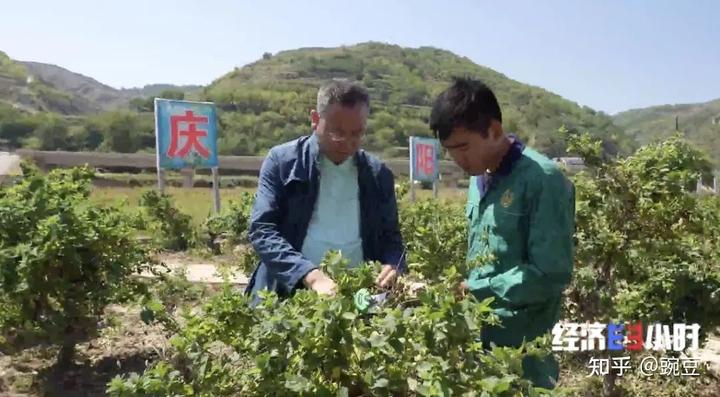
610 55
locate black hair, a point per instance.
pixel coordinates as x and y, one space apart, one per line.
466 103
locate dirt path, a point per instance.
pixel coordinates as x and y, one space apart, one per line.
710 353
124 345
199 270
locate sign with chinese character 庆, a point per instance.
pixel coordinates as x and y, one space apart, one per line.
186 134
424 155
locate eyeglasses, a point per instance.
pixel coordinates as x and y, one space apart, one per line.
340 137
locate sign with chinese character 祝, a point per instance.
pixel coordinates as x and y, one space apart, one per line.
424 155
186 134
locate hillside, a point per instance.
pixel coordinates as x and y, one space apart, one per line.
23 89
152 90
268 101
96 95
700 122
35 86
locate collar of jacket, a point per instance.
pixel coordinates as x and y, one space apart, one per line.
511 157
306 167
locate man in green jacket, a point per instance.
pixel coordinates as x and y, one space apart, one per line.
521 210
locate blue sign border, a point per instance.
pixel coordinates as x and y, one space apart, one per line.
164 108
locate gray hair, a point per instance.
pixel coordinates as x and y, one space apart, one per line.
343 92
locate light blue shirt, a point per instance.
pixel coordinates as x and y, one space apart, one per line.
482 182
335 222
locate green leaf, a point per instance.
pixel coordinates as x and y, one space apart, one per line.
425 390
376 340
412 384
297 383
424 367
489 383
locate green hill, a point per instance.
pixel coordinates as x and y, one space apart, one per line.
700 122
35 86
151 90
268 101
48 107
22 89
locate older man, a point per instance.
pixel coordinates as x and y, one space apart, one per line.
322 192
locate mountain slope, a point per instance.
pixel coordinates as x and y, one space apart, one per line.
22 89
35 86
700 122
96 95
152 90
268 101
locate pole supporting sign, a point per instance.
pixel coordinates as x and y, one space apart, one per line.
186 138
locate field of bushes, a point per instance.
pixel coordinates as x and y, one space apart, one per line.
76 320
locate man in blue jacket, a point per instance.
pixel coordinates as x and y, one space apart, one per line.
322 192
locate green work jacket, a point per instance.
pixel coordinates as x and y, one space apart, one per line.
524 216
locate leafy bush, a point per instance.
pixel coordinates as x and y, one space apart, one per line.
231 224
171 228
417 343
647 246
401 190
62 259
435 235
647 249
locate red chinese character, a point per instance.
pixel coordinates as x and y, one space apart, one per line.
635 337
192 135
425 158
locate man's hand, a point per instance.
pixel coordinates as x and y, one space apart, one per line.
462 290
387 276
317 281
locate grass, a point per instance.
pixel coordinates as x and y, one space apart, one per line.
196 202
176 180
443 194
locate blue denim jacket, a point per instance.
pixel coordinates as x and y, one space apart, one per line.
284 202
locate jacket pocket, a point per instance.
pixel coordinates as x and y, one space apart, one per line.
506 232
506 221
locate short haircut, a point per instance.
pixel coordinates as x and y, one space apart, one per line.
343 92
466 103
